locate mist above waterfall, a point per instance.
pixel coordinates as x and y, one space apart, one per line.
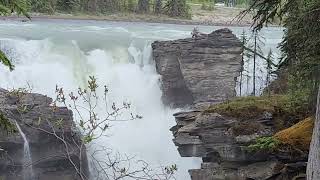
119 56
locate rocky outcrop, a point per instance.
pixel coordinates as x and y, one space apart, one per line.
49 155
225 154
198 70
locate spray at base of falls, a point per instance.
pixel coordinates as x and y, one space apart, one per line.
27 171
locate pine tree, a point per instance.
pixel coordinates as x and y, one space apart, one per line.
301 42
158 7
177 8
143 6
269 67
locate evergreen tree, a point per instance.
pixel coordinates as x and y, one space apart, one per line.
269 66
158 7
301 42
177 8
143 6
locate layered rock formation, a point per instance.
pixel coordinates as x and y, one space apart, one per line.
202 72
42 124
198 70
225 152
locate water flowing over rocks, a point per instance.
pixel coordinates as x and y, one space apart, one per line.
198 70
50 160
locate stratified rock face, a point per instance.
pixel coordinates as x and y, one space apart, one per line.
225 154
199 70
48 154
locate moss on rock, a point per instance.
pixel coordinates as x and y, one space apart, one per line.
285 111
297 136
249 107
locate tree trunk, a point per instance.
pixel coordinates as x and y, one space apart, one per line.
158 7
254 63
313 168
143 6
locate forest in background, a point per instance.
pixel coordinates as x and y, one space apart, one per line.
172 8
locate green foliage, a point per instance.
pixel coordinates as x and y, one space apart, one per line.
251 106
270 66
301 42
243 3
6 8
177 8
5 61
131 5
207 6
286 109
48 6
268 144
68 5
170 170
18 6
6 125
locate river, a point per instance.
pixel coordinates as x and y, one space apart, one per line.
66 52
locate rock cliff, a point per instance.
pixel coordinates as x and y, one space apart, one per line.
224 151
198 70
201 72
50 156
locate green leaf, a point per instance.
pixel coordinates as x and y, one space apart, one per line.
5 61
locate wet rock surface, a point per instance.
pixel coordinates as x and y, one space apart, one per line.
37 120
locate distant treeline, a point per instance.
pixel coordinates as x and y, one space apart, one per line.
226 2
174 8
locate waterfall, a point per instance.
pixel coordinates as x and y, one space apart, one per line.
27 171
119 55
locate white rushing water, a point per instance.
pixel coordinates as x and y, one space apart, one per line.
27 161
119 55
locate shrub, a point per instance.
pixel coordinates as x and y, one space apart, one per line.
207 7
268 144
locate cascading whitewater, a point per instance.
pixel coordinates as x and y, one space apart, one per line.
126 68
119 55
27 161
